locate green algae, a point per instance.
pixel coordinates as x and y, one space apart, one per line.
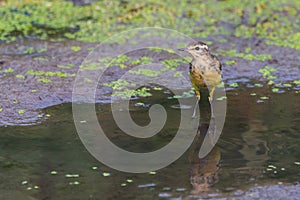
230 62
267 73
44 80
8 70
75 48
234 85
20 76
271 20
121 89
20 112
296 82
50 74
246 56
69 66
145 72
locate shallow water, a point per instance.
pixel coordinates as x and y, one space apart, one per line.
259 145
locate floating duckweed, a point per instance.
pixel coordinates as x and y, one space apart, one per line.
157 88
234 53
24 182
230 62
264 98
44 80
122 66
33 91
9 70
297 163
40 59
123 184
275 90
94 168
29 188
142 92
76 183
155 49
75 48
142 61
36 187
247 49
48 115
145 72
253 94
118 84
146 60
50 74
29 50
1 109
105 174
177 96
20 76
121 59
72 175
173 62
272 166
234 85
21 112
53 172
178 74
69 66
129 180
297 82
287 85
266 73
258 85
152 173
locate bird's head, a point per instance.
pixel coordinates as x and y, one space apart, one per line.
196 49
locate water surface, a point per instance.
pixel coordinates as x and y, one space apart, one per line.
259 146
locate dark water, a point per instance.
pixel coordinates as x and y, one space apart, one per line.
260 144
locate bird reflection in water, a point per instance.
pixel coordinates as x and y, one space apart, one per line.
204 171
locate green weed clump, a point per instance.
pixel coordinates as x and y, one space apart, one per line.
276 21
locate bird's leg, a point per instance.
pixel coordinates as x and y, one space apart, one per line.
210 98
197 103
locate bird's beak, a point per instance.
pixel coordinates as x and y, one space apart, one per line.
183 49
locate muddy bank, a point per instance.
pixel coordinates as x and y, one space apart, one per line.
38 74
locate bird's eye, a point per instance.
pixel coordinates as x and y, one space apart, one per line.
197 48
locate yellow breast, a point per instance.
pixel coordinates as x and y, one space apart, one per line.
205 78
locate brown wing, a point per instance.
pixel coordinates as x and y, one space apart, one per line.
218 64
